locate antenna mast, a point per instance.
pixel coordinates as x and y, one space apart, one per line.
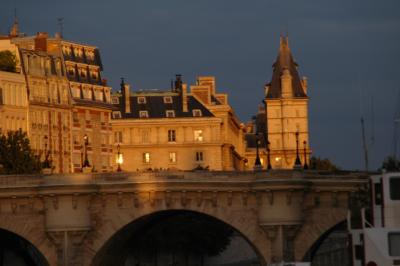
396 122
364 144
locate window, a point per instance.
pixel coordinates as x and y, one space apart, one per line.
115 100
146 157
171 135
199 156
170 113
74 116
198 135
141 100
172 157
196 112
118 136
167 99
378 193
116 114
394 244
395 188
143 114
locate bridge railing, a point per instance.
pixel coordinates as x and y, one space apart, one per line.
115 177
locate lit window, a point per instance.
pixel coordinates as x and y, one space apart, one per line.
167 99
170 113
199 156
141 100
118 136
394 244
116 114
146 157
143 114
196 112
172 157
198 135
171 135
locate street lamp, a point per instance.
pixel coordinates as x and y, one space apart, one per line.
257 163
297 163
120 159
269 167
86 143
305 155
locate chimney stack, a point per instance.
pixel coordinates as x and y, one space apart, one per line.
41 41
125 90
184 98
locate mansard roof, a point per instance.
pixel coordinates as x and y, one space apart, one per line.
156 107
284 61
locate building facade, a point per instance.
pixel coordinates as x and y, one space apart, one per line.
88 99
174 129
286 111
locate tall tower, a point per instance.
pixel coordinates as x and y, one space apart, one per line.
287 111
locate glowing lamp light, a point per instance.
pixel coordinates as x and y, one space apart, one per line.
277 159
120 159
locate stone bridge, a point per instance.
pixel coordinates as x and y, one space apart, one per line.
75 219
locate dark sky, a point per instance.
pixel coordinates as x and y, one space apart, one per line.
349 50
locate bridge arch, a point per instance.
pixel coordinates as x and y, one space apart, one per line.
316 228
15 249
30 231
245 222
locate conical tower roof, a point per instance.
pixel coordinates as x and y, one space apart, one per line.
284 61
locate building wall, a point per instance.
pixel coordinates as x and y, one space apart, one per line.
95 124
284 118
49 112
140 136
13 102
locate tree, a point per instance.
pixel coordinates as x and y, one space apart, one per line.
16 156
391 164
8 61
316 163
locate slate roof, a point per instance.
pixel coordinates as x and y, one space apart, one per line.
260 127
284 61
156 107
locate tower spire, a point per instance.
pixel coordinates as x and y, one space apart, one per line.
14 31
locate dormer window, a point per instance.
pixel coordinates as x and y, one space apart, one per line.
82 73
170 113
167 99
116 114
143 114
141 100
196 112
71 71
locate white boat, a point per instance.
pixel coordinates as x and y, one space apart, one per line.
376 242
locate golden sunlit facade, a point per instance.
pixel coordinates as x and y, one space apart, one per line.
287 112
176 129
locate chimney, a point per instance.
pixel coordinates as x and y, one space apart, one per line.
286 84
184 98
178 83
41 41
125 90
